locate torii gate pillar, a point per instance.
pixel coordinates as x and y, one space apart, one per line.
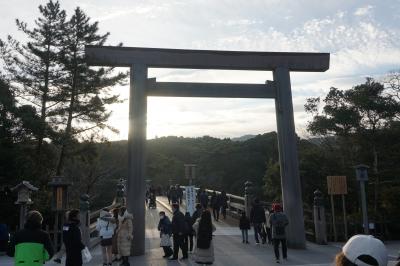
288 159
136 155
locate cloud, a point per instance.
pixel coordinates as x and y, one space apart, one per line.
363 11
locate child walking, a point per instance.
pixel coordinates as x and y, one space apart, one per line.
244 225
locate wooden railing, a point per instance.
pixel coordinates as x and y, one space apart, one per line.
236 205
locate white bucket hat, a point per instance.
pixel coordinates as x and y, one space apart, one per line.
367 245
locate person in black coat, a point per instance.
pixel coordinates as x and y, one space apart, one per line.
244 226
179 230
224 203
204 199
215 205
197 213
257 217
164 226
189 236
73 240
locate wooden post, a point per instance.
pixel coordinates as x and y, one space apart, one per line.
344 217
288 159
55 230
333 219
136 155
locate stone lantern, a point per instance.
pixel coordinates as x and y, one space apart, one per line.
24 191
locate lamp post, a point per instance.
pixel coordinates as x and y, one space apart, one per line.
362 177
24 190
190 172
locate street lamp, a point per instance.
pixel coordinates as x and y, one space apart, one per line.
24 190
362 177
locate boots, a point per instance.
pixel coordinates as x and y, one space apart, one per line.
125 261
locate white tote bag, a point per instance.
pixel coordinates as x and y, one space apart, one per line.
165 240
86 256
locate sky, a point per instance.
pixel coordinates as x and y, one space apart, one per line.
363 38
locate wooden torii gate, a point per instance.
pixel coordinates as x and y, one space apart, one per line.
140 59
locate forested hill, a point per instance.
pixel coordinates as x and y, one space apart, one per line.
221 163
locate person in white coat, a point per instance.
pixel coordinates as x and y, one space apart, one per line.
106 225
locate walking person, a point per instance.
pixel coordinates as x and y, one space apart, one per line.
73 239
125 230
164 226
106 226
224 203
114 247
189 236
278 222
204 199
244 225
257 217
179 231
31 245
215 205
267 225
197 213
204 251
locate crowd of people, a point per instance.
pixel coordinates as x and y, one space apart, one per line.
189 234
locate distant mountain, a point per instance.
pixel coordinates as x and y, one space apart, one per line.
243 138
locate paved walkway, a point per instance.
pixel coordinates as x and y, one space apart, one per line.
229 250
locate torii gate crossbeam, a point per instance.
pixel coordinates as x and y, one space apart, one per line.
140 59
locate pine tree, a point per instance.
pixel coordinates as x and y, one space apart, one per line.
33 65
86 91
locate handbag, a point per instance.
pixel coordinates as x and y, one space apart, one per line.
86 256
165 240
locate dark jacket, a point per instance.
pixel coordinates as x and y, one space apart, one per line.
164 226
278 221
189 221
244 223
179 226
31 246
196 215
257 214
204 199
73 244
224 200
216 201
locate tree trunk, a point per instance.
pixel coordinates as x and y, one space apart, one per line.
68 129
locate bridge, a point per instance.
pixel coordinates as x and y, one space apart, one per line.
229 249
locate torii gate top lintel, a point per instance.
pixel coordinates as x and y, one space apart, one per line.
205 59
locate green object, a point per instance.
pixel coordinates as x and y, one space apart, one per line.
30 254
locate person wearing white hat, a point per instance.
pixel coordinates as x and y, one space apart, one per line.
106 226
362 250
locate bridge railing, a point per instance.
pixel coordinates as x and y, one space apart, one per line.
236 205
